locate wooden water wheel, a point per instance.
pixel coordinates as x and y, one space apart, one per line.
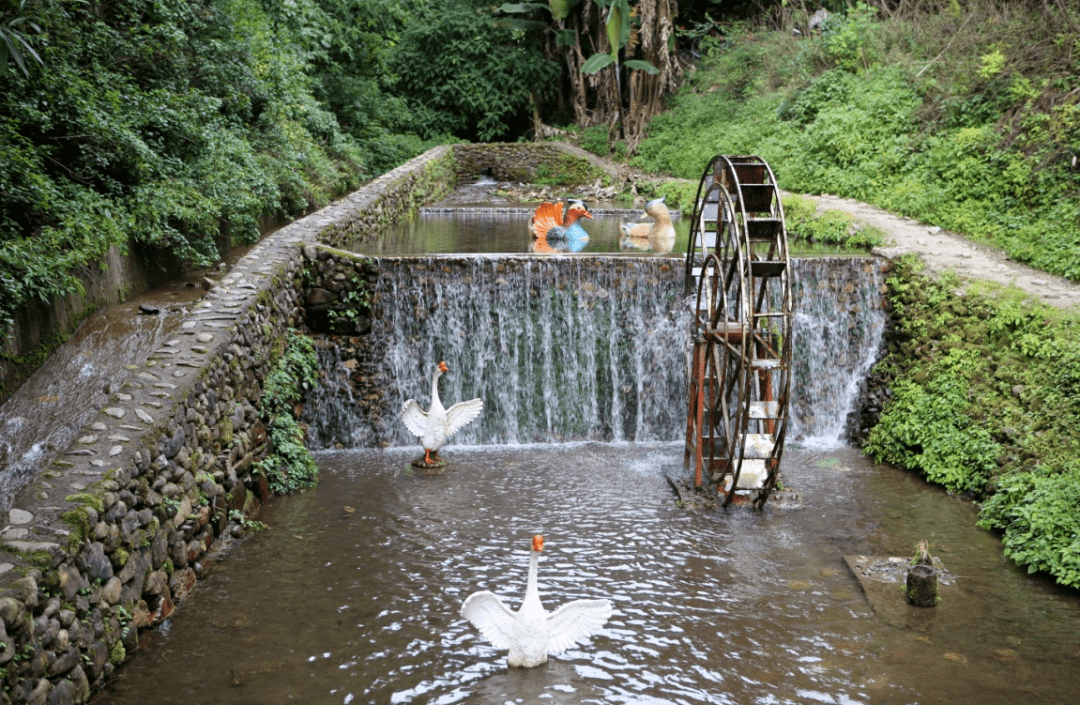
740 377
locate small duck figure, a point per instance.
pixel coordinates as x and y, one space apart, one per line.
658 235
437 424
551 232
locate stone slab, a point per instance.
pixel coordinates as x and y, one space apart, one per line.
883 579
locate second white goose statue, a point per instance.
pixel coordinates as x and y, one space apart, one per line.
532 633
437 424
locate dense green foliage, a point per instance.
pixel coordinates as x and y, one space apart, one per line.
173 124
986 401
465 77
158 122
290 465
965 116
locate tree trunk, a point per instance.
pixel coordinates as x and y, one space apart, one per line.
922 584
599 98
647 91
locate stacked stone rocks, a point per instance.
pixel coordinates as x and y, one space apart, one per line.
119 531
339 301
362 213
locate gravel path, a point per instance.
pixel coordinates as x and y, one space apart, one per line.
943 251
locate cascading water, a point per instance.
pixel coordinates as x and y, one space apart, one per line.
558 349
565 349
837 331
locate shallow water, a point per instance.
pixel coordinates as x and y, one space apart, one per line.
352 594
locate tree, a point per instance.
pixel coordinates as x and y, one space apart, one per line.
598 42
465 77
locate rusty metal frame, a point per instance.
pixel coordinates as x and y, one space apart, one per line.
740 376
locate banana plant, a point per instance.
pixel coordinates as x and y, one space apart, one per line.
589 36
617 28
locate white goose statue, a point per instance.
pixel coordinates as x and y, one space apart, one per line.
437 424
532 633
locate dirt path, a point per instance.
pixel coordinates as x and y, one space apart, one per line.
943 251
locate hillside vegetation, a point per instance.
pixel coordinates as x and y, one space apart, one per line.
965 116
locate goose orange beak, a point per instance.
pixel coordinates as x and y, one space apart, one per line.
538 543
443 367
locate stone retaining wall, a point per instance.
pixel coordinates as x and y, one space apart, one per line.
120 528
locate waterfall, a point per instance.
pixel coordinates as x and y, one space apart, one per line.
837 331
572 348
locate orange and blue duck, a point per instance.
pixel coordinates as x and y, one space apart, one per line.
658 235
552 232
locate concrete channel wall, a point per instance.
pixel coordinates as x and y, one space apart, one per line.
120 528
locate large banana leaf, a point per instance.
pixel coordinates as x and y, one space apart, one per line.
618 26
596 62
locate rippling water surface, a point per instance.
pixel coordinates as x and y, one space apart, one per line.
352 594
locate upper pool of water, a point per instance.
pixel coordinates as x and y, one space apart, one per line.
477 219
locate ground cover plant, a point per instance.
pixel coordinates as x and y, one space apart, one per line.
985 400
290 465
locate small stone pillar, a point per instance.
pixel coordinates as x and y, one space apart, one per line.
922 583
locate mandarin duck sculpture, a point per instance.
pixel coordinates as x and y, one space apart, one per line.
551 232
531 633
437 424
659 235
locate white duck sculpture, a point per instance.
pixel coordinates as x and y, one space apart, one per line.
532 633
437 424
658 235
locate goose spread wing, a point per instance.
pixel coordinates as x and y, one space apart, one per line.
414 417
575 621
460 414
491 617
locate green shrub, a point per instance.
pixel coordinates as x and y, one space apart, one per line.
832 227
463 76
595 139
1041 526
927 430
290 465
985 400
